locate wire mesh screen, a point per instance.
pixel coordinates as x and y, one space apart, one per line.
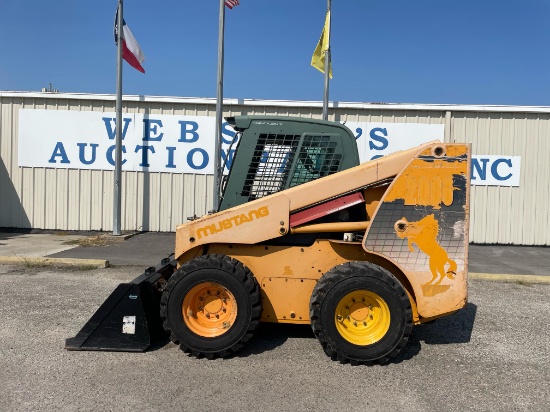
276 156
317 158
271 164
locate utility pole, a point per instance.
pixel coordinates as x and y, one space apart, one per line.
117 195
219 111
327 64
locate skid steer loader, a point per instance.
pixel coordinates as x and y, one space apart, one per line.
306 235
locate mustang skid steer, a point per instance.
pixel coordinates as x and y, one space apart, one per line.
306 235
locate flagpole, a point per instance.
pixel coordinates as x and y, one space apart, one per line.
219 109
327 65
118 143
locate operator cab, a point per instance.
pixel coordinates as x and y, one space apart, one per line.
276 153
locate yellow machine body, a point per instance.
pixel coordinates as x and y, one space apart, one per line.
416 204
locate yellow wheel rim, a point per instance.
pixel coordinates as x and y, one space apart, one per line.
362 317
209 309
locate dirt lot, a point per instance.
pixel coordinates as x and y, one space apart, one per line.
493 355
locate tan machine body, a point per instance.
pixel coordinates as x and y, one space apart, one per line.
416 202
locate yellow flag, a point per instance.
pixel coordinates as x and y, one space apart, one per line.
318 58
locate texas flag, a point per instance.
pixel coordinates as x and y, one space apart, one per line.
131 52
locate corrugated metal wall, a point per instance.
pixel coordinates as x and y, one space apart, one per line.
69 199
517 215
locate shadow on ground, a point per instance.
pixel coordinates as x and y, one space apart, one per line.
456 328
269 336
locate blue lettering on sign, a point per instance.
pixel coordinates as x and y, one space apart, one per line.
226 131
81 149
59 150
144 154
109 154
378 138
494 169
111 131
171 150
192 130
190 160
150 130
480 169
359 132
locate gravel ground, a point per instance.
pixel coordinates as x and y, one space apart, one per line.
492 355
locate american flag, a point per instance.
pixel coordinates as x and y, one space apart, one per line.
231 3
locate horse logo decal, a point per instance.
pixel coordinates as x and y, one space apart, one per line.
424 234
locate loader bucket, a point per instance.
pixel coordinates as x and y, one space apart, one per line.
129 320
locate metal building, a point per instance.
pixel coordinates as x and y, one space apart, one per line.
50 197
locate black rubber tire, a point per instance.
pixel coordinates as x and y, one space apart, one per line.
346 278
234 276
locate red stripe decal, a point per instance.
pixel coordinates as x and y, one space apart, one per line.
326 208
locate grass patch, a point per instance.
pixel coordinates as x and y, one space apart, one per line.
88 241
30 263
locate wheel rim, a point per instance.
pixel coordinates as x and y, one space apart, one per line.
209 309
362 317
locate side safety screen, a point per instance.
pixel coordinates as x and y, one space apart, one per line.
283 161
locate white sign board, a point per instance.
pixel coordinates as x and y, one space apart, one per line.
185 144
168 143
86 140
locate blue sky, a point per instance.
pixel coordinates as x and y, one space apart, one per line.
402 51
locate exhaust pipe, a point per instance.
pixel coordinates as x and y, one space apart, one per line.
129 319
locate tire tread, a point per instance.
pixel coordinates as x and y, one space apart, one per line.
340 273
232 267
